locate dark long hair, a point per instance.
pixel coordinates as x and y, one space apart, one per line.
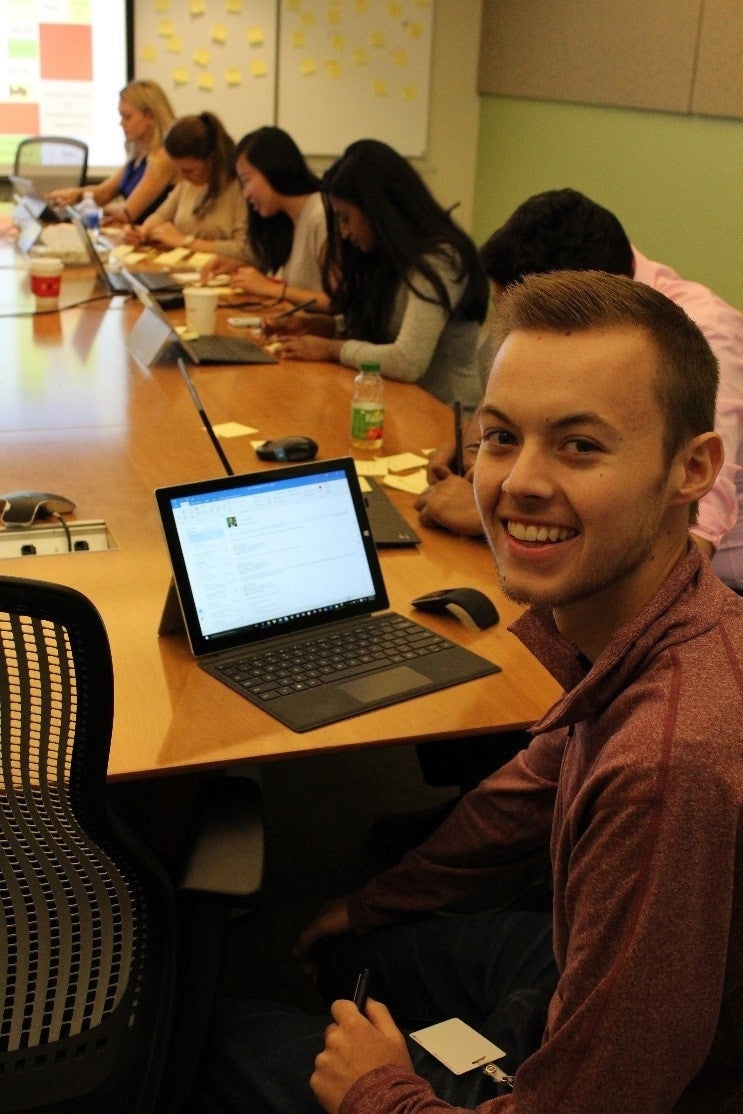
273 152
204 137
409 228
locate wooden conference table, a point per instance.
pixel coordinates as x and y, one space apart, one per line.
78 416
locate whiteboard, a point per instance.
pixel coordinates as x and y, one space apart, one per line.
211 55
352 69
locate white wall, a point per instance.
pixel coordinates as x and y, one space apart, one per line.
450 163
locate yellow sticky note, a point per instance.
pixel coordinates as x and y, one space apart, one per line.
416 483
234 429
165 28
232 76
308 68
333 69
298 38
371 467
234 7
196 7
170 258
380 88
201 57
174 45
258 67
148 53
219 33
206 82
403 462
255 36
180 76
199 259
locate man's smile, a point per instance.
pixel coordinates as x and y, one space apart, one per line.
538 532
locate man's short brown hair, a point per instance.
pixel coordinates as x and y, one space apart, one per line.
576 301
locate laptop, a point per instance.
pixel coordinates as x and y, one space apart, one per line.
28 235
388 526
163 287
154 339
26 194
274 567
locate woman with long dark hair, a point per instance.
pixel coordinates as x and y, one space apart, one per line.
287 226
405 283
205 211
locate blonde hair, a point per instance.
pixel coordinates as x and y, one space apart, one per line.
149 98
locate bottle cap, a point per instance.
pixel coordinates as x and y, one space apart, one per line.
369 365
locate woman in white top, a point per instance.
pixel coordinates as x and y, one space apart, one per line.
287 225
136 189
407 289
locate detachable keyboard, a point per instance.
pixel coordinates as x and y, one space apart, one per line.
268 673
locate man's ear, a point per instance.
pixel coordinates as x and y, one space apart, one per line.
698 463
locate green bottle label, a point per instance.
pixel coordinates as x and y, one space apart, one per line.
367 422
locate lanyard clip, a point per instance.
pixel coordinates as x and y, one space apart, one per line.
498 1075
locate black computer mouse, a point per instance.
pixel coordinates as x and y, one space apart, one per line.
22 508
474 603
288 448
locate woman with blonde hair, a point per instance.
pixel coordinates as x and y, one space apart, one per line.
205 210
136 189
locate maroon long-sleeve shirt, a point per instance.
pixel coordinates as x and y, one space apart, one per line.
637 772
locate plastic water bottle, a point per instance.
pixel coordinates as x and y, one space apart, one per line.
90 212
367 407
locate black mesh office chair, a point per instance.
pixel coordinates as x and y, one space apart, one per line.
92 991
52 162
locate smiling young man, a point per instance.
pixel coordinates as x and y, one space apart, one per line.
597 442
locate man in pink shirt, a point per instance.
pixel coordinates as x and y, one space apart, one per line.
562 229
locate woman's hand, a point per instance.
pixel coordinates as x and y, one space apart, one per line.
68 195
219 265
253 281
134 234
308 347
167 234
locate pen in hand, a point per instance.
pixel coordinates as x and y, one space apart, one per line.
361 992
458 463
295 309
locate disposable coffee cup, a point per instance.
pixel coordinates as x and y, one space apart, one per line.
46 280
201 309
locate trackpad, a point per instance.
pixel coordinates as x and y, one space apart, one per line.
380 685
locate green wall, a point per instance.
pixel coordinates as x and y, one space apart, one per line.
675 182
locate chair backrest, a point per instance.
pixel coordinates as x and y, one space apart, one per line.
52 162
87 925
